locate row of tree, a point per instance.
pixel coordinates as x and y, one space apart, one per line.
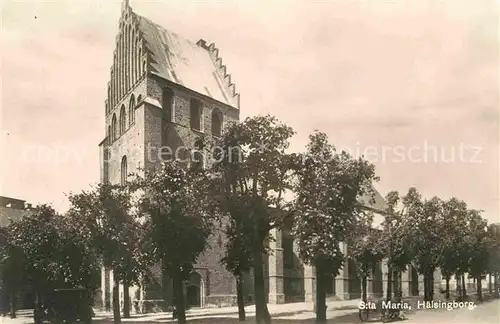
429 234
166 215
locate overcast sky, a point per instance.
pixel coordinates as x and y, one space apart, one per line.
391 80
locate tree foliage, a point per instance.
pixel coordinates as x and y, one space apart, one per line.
179 220
253 170
105 220
55 255
327 207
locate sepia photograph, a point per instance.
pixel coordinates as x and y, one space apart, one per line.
250 161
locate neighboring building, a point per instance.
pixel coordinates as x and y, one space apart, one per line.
12 210
163 92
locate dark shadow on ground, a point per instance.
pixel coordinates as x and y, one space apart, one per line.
344 319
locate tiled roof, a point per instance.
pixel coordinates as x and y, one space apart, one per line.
194 66
8 214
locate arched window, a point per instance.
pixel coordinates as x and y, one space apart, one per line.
124 171
131 111
195 114
114 128
123 120
216 122
167 104
139 99
136 70
139 66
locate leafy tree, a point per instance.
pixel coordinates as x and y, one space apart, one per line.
179 221
105 219
494 254
364 251
453 233
395 242
252 168
426 235
327 209
238 257
11 270
55 255
477 240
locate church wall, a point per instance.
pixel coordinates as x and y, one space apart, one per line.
219 283
131 142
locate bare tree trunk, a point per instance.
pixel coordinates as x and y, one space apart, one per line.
180 307
116 300
464 289
239 297
13 304
126 301
164 287
490 284
320 292
38 308
400 286
364 285
396 284
431 285
261 312
426 286
447 287
479 281
389 281
497 275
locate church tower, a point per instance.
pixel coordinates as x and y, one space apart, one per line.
164 91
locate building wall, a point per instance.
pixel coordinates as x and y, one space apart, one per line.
141 144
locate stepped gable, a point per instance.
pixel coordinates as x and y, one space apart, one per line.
194 66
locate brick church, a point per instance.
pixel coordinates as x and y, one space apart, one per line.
164 91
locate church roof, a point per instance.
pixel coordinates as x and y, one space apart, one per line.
376 202
193 65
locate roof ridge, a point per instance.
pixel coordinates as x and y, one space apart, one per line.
160 26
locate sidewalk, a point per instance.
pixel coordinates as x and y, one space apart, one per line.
293 311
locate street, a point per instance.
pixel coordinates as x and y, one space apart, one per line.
487 313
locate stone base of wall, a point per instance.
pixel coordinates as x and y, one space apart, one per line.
221 301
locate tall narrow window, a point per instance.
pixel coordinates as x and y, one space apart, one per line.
123 120
167 104
139 66
195 114
124 174
109 134
114 128
216 122
131 111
